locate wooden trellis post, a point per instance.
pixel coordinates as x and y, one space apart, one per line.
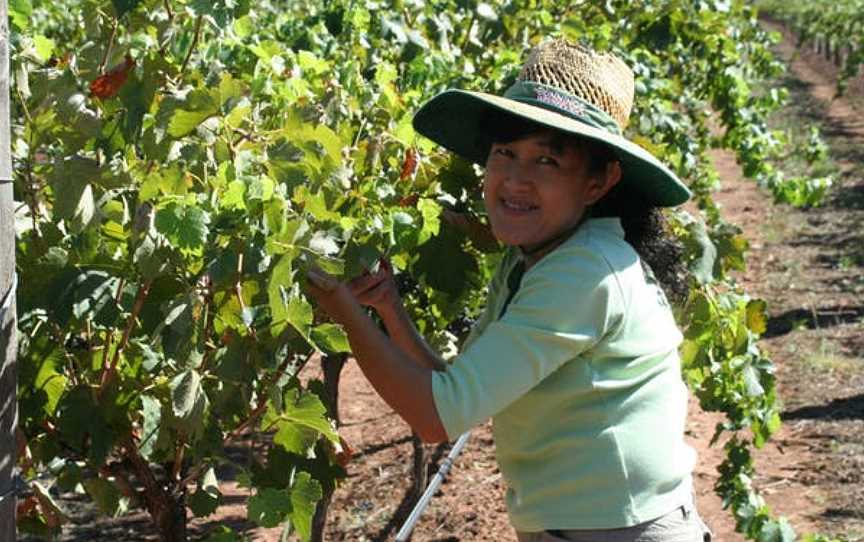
8 375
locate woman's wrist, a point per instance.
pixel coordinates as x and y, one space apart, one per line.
391 312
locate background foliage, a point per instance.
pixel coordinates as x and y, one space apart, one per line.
179 164
836 28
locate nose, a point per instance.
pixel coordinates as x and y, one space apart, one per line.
519 175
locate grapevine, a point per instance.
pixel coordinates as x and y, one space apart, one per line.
834 29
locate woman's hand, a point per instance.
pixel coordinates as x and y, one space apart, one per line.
377 290
334 297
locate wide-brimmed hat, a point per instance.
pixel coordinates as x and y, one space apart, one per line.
565 87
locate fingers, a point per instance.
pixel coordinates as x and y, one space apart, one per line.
321 279
367 281
375 295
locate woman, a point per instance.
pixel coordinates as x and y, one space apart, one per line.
575 356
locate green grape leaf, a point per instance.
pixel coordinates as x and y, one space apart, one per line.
757 317
45 371
199 106
315 203
302 409
360 257
299 313
453 275
269 507
74 200
83 426
287 304
207 497
44 47
189 401
233 197
222 11
311 63
305 494
94 298
137 96
405 233
702 266
151 426
294 438
777 531
106 496
151 259
404 131
431 212
751 381
186 226
193 228
229 89
330 338
169 181
20 12
323 242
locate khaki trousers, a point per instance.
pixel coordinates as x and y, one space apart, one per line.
681 525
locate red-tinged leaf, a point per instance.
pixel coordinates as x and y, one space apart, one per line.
59 61
108 85
409 200
27 505
409 166
344 456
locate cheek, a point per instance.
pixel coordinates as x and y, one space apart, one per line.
488 188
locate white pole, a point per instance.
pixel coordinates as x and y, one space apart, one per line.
408 526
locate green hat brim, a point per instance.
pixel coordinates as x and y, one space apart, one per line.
452 119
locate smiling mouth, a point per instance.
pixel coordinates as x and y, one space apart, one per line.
519 206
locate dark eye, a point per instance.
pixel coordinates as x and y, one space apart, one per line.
502 151
547 161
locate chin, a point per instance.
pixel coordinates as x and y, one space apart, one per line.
510 240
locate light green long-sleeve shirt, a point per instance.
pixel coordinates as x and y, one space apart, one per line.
582 378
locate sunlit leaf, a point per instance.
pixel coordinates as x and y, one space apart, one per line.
20 12
330 338
757 317
189 401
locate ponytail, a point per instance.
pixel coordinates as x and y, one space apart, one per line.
647 230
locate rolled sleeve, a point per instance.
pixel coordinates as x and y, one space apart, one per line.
567 302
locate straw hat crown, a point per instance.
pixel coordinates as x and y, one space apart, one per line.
601 79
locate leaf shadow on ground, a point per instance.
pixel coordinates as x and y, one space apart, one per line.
816 318
845 408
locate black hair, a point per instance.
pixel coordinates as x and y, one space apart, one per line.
645 226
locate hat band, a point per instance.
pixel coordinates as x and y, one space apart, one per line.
569 105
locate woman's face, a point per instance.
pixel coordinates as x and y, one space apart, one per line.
536 188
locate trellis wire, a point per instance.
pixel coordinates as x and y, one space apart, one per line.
408 526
